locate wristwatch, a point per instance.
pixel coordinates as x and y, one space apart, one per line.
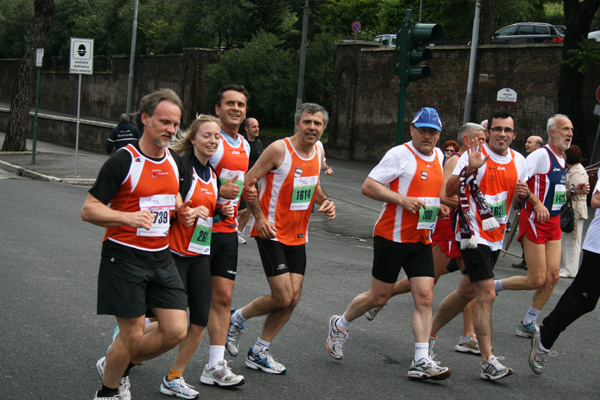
572 192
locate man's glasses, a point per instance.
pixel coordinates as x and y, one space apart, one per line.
499 129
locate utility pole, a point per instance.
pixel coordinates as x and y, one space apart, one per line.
300 90
132 58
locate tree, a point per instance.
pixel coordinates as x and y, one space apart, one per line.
22 97
578 17
489 13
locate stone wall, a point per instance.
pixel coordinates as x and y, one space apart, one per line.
365 106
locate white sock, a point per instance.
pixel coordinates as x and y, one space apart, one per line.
216 354
238 318
498 285
421 351
531 316
260 345
342 323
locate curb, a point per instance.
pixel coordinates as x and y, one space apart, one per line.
27 173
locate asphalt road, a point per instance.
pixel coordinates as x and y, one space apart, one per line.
51 337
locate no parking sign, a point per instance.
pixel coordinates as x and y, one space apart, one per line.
356 26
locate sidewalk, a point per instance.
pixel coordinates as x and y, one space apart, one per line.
53 163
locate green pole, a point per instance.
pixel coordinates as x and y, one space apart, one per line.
402 42
37 95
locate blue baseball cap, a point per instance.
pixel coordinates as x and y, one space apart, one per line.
427 117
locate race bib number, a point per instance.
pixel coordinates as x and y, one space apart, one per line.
160 205
226 175
304 189
497 203
428 215
200 241
560 197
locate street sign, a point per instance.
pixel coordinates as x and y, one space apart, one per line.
82 56
598 94
506 97
597 110
356 26
39 57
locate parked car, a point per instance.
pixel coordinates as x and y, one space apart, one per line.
388 39
527 33
561 29
594 35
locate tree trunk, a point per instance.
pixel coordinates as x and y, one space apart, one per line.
487 21
578 18
23 89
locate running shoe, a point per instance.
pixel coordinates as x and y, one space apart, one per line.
124 393
221 375
116 397
427 369
527 330
494 370
336 339
232 346
538 356
241 240
468 345
113 336
264 361
372 313
179 388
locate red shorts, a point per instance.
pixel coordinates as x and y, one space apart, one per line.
449 248
538 232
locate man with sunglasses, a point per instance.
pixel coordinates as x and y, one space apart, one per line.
486 178
540 220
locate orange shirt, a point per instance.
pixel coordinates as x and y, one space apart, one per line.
194 240
151 185
407 172
287 194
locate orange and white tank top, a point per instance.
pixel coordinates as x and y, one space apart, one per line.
149 185
420 178
195 240
498 186
230 161
287 194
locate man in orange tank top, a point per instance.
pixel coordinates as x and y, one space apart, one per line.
408 181
289 171
134 196
498 173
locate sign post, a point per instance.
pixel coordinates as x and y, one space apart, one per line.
356 28
39 60
81 62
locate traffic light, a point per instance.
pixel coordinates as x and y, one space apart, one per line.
412 39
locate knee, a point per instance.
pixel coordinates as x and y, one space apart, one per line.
424 299
222 299
537 282
553 278
174 333
284 300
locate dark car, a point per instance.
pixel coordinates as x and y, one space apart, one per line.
527 33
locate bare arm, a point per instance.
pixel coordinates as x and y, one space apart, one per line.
98 213
596 200
327 205
377 191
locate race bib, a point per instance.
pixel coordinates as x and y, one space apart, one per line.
304 189
497 203
428 215
160 205
200 241
226 175
560 197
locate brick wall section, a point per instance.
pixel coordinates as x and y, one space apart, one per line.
365 105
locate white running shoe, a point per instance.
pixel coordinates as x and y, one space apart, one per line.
221 375
468 345
372 313
494 370
336 339
241 240
426 368
232 345
264 361
179 388
124 393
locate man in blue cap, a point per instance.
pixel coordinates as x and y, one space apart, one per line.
408 181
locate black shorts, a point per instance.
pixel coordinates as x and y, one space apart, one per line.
390 257
278 258
479 262
224 255
127 291
243 204
195 274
